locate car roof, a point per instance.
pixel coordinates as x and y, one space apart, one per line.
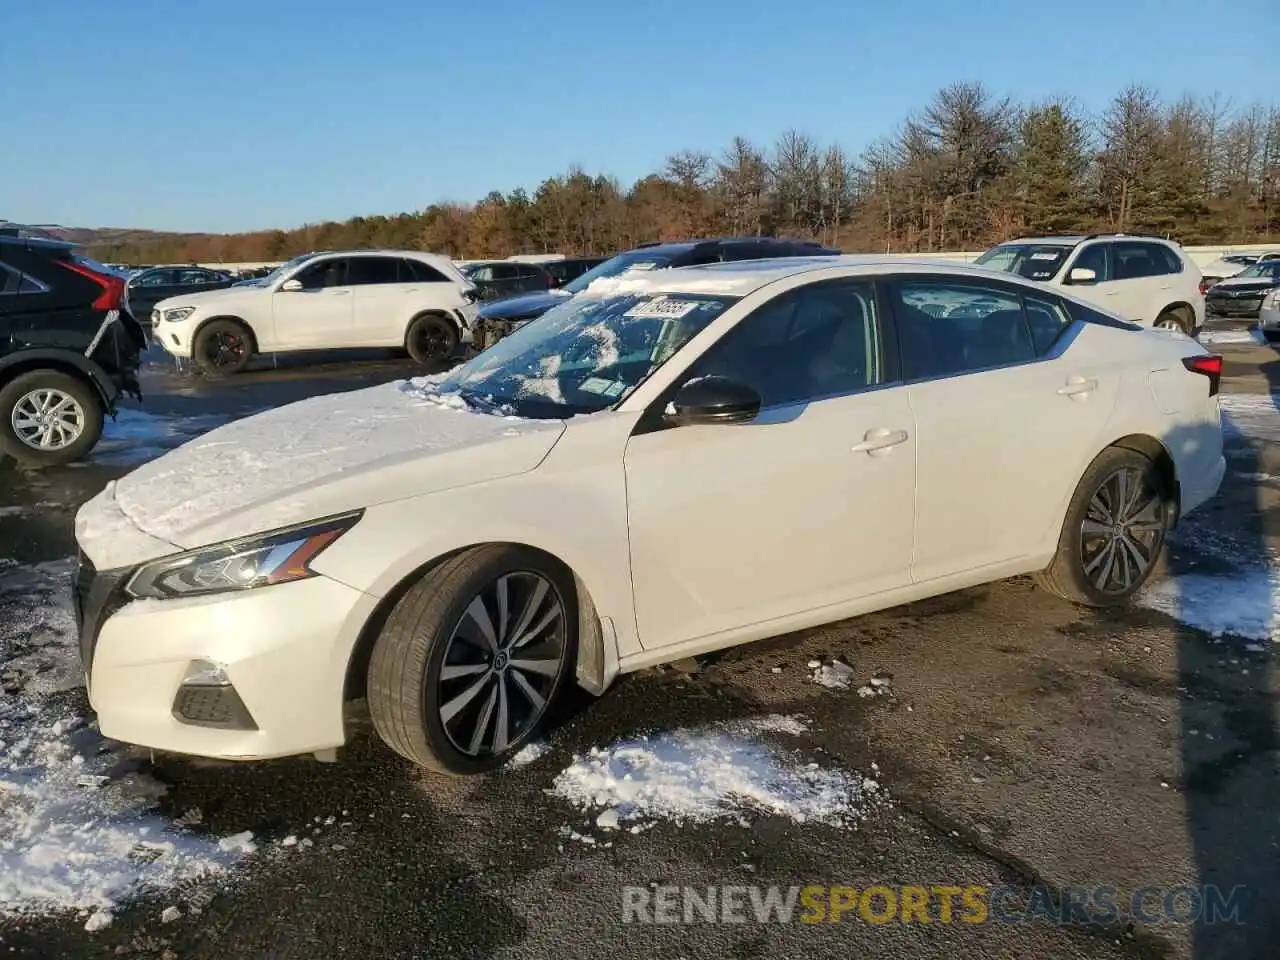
1075 239
35 243
739 278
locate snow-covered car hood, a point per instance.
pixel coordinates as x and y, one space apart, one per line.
304 461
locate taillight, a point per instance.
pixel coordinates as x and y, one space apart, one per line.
112 286
1209 365
1204 287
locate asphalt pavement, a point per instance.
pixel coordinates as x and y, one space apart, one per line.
1015 743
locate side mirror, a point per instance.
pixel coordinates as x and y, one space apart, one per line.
1082 275
291 286
708 400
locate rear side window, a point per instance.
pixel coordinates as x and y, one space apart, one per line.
1047 318
14 282
371 271
1136 260
420 272
950 328
1085 314
157 278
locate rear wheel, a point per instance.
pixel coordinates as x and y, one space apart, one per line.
223 347
48 418
473 657
431 340
1114 531
1177 318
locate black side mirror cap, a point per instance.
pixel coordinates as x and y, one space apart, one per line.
713 400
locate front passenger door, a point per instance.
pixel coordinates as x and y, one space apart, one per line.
808 506
318 316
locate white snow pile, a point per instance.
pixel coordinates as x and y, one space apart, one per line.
1252 416
722 772
530 753
135 436
76 828
1230 336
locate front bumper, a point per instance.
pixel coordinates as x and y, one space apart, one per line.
1244 307
489 330
1269 321
283 649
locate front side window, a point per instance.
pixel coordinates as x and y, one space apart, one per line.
326 273
156 278
1094 257
815 341
1034 261
188 278
369 271
583 355
949 328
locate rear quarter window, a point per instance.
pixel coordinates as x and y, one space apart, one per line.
1084 314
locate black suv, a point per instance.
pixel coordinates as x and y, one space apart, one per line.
498 319
495 279
67 350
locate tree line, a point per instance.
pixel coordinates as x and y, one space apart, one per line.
967 170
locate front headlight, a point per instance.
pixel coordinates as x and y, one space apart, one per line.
179 313
280 556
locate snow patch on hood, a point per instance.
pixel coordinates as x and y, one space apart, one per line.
260 469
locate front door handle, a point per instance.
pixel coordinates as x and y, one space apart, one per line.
880 441
338 293
1078 386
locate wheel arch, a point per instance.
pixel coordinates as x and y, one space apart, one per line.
63 361
1174 307
597 658
253 334
440 312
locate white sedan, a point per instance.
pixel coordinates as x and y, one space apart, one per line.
666 465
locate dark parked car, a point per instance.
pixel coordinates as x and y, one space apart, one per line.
1242 295
149 287
67 350
497 320
571 268
495 279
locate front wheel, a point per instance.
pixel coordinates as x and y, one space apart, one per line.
48 418
473 657
223 347
1114 531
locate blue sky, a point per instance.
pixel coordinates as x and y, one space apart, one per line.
240 115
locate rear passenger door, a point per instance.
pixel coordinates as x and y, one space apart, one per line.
384 292
1144 276
1007 416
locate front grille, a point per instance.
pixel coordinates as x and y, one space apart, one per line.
95 596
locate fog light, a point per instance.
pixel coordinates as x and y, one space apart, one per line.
204 673
207 699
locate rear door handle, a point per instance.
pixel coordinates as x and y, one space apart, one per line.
880 441
338 293
1078 386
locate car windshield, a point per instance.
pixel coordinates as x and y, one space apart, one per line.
582 356
1262 270
1034 261
278 272
616 266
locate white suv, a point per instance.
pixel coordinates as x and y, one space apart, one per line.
320 301
1144 279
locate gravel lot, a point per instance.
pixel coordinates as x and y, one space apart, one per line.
1010 740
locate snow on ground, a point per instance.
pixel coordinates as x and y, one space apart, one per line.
1243 599
726 771
1251 416
135 436
1208 337
77 831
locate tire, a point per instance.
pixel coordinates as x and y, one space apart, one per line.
431 340
1082 571
75 411
222 347
451 723
1175 318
